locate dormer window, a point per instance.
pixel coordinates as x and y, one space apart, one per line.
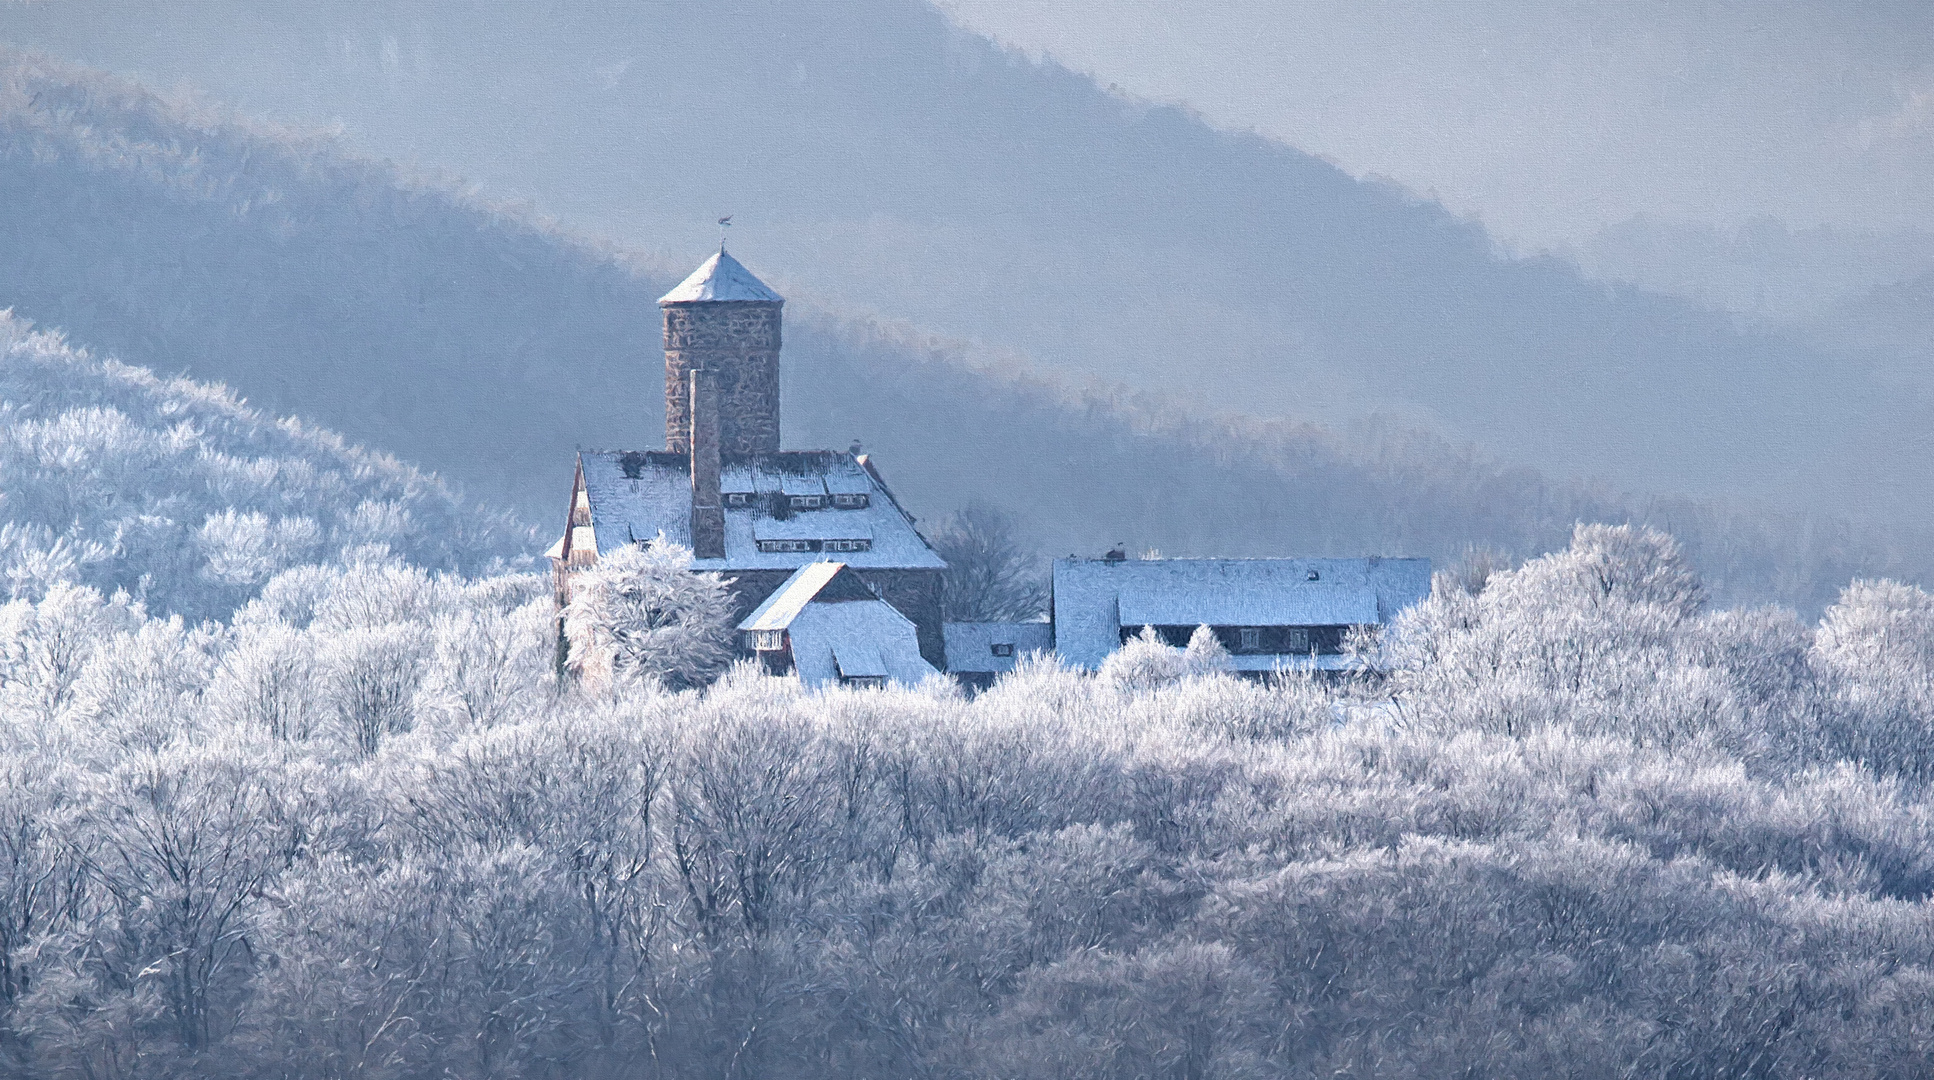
847 545
1003 648
806 502
738 498
1250 638
1311 576
850 502
770 546
1297 639
768 640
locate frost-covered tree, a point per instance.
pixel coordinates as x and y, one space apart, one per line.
187 499
357 832
642 614
990 576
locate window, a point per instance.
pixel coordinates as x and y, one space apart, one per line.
849 502
863 680
785 545
847 545
1251 639
805 502
1003 648
768 640
738 498
1312 576
1298 639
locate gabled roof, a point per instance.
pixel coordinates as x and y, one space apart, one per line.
721 279
633 496
828 582
838 628
1095 598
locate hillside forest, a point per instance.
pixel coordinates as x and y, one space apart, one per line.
314 802
298 782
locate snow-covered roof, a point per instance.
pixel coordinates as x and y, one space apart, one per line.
1171 602
657 497
816 580
720 279
838 627
970 645
815 527
868 634
1095 598
857 659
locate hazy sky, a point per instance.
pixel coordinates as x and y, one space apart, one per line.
1547 119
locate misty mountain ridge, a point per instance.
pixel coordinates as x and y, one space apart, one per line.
1761 268
889 162
488 347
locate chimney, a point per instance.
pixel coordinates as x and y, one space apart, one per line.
708 506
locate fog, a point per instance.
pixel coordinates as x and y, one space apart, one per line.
881 162
1550 121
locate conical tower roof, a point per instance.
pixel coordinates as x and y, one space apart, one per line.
722 278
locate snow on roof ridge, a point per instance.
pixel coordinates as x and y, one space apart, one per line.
719 279
790 598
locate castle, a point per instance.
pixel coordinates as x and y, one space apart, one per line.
833 581
723 487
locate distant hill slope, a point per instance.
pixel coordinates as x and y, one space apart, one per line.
884 162
486 348
1894 320
179 494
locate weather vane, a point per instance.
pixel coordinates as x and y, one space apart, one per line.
724 224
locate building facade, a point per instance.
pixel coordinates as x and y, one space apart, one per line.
724 488
1270 614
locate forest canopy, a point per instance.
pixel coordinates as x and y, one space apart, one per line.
1565 820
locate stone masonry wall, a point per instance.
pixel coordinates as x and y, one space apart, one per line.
738 341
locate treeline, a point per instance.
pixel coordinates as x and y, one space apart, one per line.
1564 821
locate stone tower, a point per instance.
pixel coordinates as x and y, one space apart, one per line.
724 321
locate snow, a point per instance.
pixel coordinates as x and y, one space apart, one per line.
858 660
719 279
850 629
812 525
789 599
1236 603
1094 598
838 627
660 500
970 645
